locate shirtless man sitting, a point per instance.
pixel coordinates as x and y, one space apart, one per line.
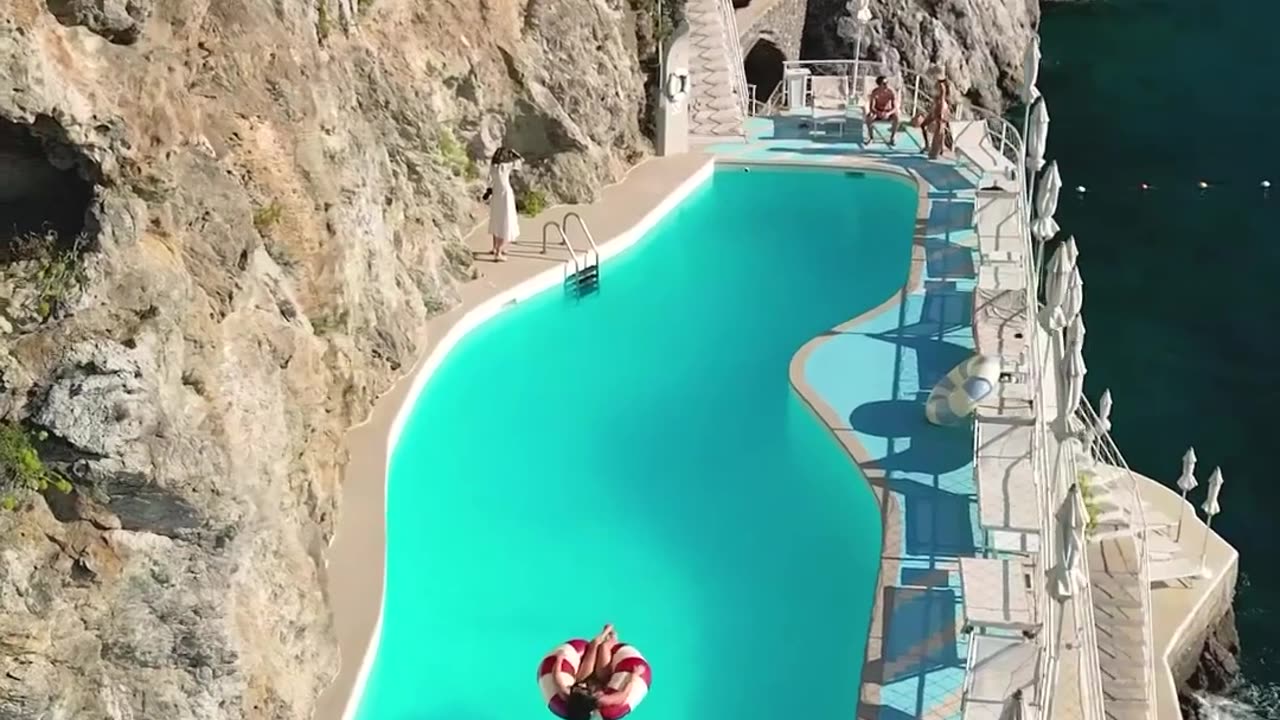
883 107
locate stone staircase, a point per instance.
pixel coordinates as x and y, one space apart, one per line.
716 110
1124 657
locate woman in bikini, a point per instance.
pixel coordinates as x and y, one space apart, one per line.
590 690
938 121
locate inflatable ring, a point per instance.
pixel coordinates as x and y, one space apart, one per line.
957 395
560 667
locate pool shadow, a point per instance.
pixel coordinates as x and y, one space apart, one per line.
941 175
949 215
936 521
943 311
919 633
928 448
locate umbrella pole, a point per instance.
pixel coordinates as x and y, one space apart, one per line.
1204 548
1182 510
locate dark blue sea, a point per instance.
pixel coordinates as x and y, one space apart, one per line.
1182 285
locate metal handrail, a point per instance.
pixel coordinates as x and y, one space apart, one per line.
586 231
573 254
1091 667
730 20
1110 454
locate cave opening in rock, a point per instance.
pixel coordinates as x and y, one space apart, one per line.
763 68
739 4
43 185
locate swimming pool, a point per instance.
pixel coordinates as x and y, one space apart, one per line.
638 457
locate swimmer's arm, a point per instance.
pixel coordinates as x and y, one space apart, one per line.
619 696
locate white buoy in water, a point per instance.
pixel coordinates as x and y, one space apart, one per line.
1203 185
1265 184
1081 189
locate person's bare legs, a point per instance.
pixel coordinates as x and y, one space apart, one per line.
590 658
894 124
939 139
604 656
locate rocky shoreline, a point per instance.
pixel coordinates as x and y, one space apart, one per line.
1216 672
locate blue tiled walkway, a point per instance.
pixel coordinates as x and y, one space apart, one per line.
875 376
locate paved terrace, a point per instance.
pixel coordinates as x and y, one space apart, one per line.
868 380
925 476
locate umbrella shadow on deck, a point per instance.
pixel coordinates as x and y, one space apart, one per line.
941 175
936 521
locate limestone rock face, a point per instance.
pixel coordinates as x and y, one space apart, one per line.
274 199
978 43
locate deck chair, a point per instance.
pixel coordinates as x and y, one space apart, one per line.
828 101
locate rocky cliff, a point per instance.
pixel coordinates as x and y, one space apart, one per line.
1216 672
222 224
252 207
979 43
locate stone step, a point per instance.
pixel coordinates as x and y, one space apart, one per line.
1127 710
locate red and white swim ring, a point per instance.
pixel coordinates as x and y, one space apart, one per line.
564 662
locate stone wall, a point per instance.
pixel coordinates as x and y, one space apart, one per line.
1204 659
782 24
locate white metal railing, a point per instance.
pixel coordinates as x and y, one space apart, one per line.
586 232
1090 679
915 95
730 21
1108 453
573 254
1045 485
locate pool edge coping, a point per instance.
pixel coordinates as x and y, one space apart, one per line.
343 703
339 699
848 439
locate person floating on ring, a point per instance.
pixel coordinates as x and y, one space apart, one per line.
579 678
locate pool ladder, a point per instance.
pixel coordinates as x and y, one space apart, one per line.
585 277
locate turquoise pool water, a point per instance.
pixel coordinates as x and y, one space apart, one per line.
638 457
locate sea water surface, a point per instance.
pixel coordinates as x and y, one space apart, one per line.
1182 299
638 457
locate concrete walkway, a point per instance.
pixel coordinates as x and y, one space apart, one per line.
354 575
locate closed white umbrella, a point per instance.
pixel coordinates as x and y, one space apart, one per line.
1044 227
1071 524
861 17
1073 298
1075 331
1056 282
1031 70
1073 372
1057 274
1037 135
1103 426
1211 508
863 13
1186 483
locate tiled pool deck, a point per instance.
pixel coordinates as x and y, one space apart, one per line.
868 380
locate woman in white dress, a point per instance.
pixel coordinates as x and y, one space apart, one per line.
504 224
